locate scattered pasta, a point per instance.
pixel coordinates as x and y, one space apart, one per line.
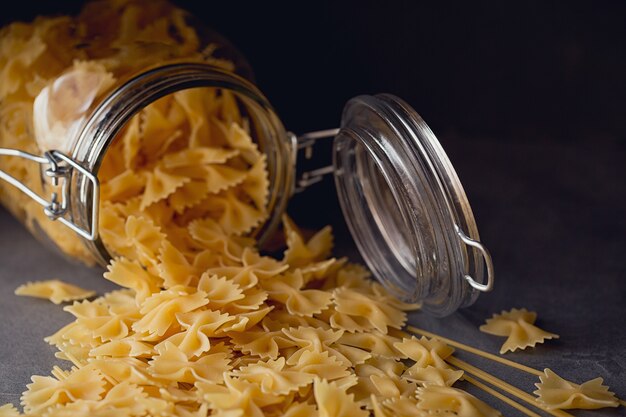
54 290
557 393
518 326
8 410
445 400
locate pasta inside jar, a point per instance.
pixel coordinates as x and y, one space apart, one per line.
184 161
184 155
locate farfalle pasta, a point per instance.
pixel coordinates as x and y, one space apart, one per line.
445 400
518 326
54 290
9 410
557 393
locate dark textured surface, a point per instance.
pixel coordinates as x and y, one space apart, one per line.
557 238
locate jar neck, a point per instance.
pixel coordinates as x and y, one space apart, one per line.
110 116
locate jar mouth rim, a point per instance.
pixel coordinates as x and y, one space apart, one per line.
112 113
432 263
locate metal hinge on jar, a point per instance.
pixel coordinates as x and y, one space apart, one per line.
58 168
306 143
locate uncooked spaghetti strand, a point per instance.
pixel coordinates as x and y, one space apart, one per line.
500 396
504 386
476 351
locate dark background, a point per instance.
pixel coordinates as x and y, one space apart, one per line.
527 98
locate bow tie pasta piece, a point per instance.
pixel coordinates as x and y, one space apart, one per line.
260 342
518 326
9 410
300 302
322 365
300 253
101 321
123 397
54 290
239 138
213 239
256 184
444 377
129 274
236 397
378 315
123 348
446 400
383 379
273 377
375 342
323 340
220 291
45 391
131 370
199 327
398 406
174 268
173 365
160 185
159 310
159 128
146 238
312 339
424 352
332 401
124 186
556 393
235 216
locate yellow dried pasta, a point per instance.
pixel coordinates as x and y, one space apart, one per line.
518 326
9 410
54 290
445 400
557 393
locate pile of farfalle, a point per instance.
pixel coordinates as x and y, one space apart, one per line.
244 334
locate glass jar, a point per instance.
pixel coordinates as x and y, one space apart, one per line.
399 193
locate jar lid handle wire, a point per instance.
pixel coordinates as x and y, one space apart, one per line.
59 169
488 286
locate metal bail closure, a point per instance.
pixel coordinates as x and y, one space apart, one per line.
59 168
406 208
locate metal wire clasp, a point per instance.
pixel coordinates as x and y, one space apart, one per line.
58 168
486 255
306 143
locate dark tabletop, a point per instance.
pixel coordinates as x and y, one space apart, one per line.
528 100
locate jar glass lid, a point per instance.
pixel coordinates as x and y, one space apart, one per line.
406 208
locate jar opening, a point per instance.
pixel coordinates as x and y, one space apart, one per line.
145 102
